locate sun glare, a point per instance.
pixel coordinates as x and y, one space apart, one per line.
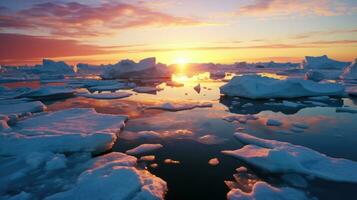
181 63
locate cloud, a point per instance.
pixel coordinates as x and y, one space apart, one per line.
76 19
16 47
273 8
323 33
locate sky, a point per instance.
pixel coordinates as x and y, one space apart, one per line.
219 31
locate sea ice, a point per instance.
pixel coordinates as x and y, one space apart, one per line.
179 107
72 130
258 87
283 157
50 92
262 190
114 95
144 148
213 161
22 108
147 89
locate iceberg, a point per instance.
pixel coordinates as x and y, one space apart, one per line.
146 68
282 157
258 87
322 62
72 130
350 72
53 67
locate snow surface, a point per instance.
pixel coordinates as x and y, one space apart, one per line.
72 130
144 148
283 157
258 87
179 107
262 190
114 95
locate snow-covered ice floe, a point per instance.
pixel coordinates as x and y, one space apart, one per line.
114 176
51 92
147 89
21 108
259 87
180 106
72 130
282 157
144 148
77 176
114 95
262 190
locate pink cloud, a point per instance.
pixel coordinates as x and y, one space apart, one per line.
76 19
17 48
293 7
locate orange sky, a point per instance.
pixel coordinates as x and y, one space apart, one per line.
224 31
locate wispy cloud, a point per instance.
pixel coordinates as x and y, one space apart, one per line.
76 19
323 33
268 8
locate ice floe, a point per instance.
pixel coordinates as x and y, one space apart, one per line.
114 176
111 88
71 130
6 93
180 106
258 87
51 92
147 89
114 95
170 161
144 148
22 108
262 190
283 157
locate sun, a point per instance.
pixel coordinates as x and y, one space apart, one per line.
181 63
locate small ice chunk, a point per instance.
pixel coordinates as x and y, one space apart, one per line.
57 162
197 88
147 89
170 161
213 161
144 148
241 169
148 158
